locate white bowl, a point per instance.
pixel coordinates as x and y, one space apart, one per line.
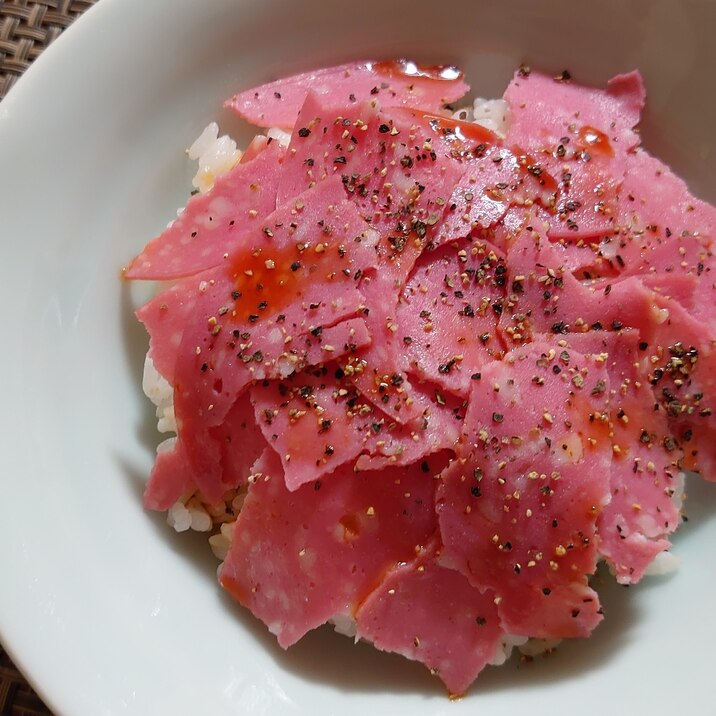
101 604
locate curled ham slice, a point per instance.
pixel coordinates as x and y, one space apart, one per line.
276 104
546 109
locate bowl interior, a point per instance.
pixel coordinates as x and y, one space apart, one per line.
95 136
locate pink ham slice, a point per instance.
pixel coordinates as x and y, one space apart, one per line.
240 441
551 300
681 356
587 198
518 509
400 185
581 137
577 254
437 427
543 110
170 479
196 418
316 421
493 181
215 223
664 230
380 369
449 313
455 641
237 442
361 524
297 273
389 169
401 82
635 525
554 302
255 147
254 317
682 371
312 421
658 227
164 318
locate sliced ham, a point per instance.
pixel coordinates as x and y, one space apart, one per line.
544 109
380 368
449 312
389 169
518 509
400 185
644 477
214 224
237 443
170 479
317 420
400 82
313 422
551 300
658 213
361 524
296 274
259 315
164 318
455 641
240 441
582 138
436 427
682 371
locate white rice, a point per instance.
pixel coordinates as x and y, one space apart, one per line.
493 114
504 649
161 393
279 135
345 625
216 155
664 563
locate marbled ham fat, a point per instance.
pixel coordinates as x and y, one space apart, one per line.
444 366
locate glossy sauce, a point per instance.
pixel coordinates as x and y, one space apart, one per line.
270 279
595 141
406 68
459 130
530 168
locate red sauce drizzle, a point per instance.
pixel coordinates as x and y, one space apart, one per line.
595 141
407 68
270 279
458 130
530 167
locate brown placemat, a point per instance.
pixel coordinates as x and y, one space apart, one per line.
26 29
16 695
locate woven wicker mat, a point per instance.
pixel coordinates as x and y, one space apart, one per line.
26 28
16 695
